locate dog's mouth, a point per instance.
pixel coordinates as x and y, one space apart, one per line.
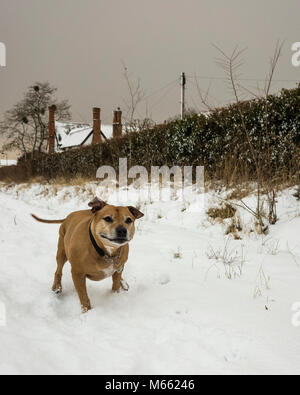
115 241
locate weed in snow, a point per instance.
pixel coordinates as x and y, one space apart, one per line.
178 254
269 246
297 193
262 282
232 260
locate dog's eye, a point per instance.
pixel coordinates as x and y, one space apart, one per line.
108 219
128 221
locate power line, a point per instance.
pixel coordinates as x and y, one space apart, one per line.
163 96
202 77
172 83
160 89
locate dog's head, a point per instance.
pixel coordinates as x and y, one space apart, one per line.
114 225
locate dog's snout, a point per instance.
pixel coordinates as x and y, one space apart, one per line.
121 232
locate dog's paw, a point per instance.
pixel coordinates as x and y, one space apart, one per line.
57 290
85 309
124 285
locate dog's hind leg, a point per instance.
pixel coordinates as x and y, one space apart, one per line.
61 259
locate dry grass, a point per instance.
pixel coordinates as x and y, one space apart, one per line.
239 193
224 212
234 227
59 181
76 181
37 180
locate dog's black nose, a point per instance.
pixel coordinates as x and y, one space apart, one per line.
121 232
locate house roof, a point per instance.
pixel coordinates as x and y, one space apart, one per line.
69 135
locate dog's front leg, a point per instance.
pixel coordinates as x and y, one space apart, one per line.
119 283
80 285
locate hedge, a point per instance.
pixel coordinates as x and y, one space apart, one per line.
16 173
206 139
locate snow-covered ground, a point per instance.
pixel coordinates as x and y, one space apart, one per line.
182 315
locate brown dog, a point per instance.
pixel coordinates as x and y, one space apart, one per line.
95 242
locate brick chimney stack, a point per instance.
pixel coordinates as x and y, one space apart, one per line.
96 126
51 127
117 123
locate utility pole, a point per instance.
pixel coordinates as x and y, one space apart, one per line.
182 102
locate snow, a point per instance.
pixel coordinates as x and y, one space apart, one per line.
107 130
72 134
182 315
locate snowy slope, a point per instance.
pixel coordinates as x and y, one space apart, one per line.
181 314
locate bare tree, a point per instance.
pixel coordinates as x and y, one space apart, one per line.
204 96
231 65
271 184
136 95
25 126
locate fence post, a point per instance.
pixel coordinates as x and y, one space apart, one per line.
117 123
51 127
96 126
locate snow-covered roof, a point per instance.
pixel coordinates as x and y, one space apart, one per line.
9 162
107 130
69 135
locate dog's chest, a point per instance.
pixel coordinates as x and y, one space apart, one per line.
104 270
109 271
106 267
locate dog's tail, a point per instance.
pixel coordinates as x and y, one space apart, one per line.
46 221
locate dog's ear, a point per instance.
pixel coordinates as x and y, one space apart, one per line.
135 212
97 205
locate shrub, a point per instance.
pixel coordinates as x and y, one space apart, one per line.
216 141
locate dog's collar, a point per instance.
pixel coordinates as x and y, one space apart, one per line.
109 259
97 248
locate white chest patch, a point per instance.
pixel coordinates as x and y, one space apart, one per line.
108 271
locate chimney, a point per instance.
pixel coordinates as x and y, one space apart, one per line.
51 127
117 123
96 126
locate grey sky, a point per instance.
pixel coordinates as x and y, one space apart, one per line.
79 46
